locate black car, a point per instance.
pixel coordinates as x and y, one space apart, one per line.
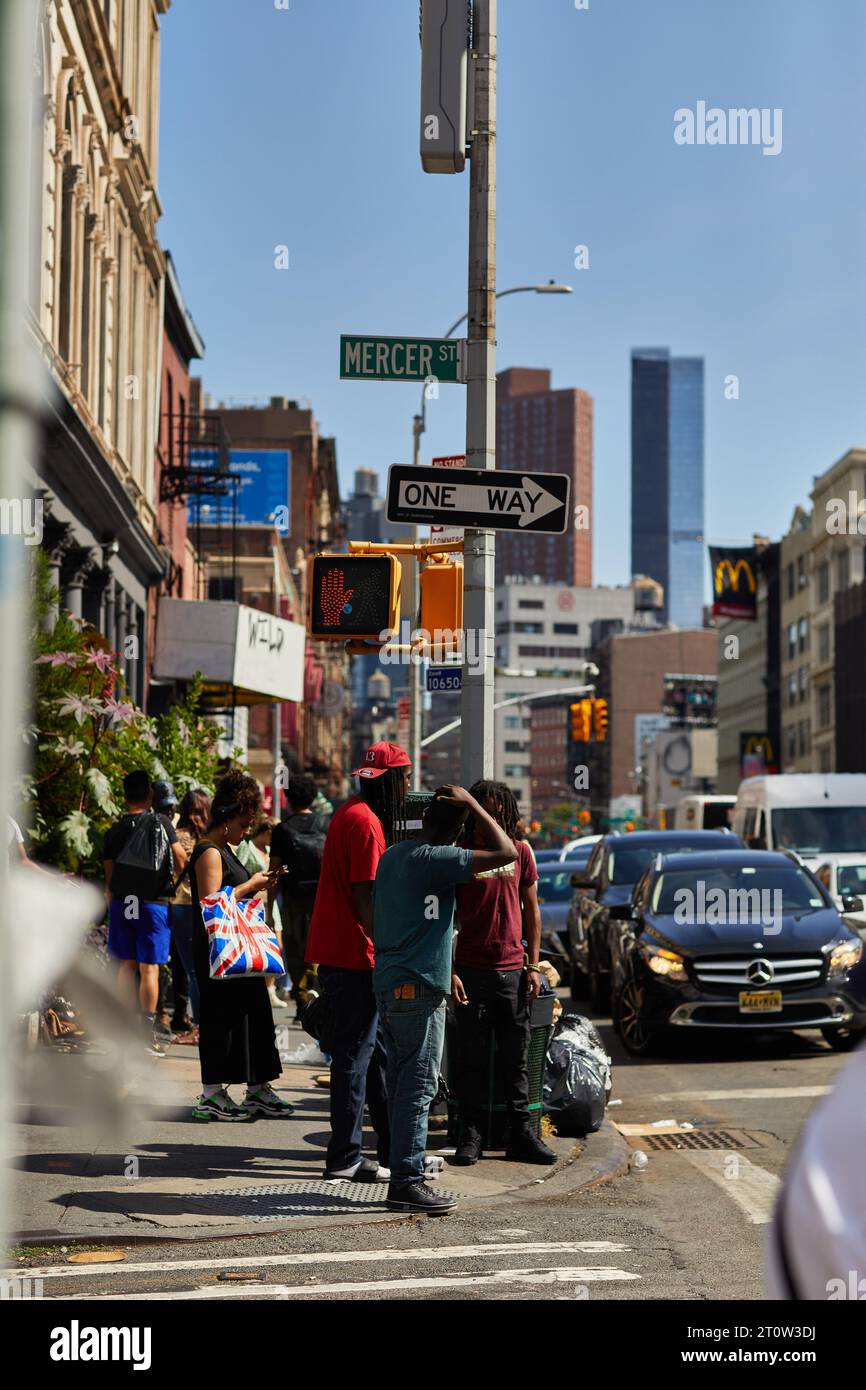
604 891
555 891
744 940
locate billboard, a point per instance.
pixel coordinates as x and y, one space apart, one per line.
263 492
735 586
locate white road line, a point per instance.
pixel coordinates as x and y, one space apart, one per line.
753 1189
752 1093
441 1252
580 1275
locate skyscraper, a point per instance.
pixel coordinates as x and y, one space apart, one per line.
667 478
546 431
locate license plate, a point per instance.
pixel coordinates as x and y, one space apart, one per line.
761 1001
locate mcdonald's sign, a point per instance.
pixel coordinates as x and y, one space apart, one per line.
735 582
756 755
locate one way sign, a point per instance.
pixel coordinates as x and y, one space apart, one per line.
479 498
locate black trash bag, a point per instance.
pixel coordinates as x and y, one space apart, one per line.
576 1077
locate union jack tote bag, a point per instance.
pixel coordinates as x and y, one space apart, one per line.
240 941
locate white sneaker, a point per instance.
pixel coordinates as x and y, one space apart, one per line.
276 1001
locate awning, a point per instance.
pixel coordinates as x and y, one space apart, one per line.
245 656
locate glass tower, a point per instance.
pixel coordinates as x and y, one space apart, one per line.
667 478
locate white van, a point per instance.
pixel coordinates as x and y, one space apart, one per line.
703 813
813 813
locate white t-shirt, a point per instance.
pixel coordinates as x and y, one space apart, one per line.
821 1215
14 833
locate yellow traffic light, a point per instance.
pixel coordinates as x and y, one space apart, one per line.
441 609
353 596
581 721
599 720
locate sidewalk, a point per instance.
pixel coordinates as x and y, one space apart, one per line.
169 1177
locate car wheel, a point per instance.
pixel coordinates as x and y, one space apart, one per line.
577 981
637 1037
843 1039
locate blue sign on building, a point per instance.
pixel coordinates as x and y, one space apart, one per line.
263 493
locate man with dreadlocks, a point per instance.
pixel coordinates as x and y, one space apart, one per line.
495 980
340 942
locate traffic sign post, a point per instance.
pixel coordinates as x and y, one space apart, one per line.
370 357
479 498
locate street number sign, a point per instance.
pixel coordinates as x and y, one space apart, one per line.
444 678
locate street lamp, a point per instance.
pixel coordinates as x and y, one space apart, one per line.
419 423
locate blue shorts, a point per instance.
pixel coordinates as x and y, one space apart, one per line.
145 938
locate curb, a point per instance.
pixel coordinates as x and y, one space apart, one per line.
599 1158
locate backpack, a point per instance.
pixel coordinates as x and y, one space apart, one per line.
306 845
142 869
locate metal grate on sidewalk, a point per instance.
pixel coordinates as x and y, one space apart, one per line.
697 1139
275 1201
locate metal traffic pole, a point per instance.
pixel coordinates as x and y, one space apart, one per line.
476 730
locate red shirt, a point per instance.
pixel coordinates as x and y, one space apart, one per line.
490 916
353 848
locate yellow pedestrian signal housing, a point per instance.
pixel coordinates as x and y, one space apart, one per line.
581 721
599 719
441 610
353 596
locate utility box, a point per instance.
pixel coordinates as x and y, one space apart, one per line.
446 33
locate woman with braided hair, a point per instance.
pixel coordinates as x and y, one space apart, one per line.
340 942
496 977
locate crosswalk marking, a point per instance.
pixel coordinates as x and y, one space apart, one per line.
749 1093
753 1189
582 1274
442 1252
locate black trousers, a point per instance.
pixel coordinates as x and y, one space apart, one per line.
357 1065
497 1006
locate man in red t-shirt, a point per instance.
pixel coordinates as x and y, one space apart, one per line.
496 911
340 942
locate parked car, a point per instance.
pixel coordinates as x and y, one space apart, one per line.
772 962
844 877
554 889
814 813
547 856
572 847
604 890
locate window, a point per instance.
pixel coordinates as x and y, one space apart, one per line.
823 708
791 741
843 569
515 746
567 629
824 761
824 642
804 635
823 574
792 641
515 770
803 737
530 603
803 681
529 628
801 572
790 575
792 689
512 721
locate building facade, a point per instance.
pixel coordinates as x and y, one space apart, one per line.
546 431
667 478
796 642
749 707
96 309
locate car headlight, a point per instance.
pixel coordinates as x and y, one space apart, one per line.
666 963
844 957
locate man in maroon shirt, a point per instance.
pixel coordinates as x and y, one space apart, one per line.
340 942
495 980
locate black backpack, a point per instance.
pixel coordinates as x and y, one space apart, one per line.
142 869
305 844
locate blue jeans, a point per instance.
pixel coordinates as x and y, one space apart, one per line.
181 930
357 1065
414 1031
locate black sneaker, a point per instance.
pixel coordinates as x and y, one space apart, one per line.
524 1147
468 1149
417 1196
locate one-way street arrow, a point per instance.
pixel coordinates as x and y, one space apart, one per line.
480 498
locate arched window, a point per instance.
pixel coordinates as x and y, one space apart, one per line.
67 233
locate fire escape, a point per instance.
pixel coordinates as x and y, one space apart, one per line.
197 468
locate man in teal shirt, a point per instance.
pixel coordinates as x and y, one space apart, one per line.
413 920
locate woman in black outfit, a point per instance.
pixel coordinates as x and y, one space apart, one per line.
236 1025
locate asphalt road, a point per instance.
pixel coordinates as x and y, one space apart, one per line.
691 1225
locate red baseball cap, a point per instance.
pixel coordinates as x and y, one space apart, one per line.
380 758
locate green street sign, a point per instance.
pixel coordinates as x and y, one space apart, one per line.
401 359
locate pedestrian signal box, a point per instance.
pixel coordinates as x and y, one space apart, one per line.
581 721
599 720
353 596
442 605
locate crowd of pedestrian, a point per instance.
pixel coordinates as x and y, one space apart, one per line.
371 912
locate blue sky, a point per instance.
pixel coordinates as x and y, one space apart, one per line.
300 127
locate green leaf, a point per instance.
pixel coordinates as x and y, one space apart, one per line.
74 831
100 789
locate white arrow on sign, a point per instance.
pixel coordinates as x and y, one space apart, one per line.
530 500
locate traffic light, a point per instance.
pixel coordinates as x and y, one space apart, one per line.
441 614
599 720
353 596
581 721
